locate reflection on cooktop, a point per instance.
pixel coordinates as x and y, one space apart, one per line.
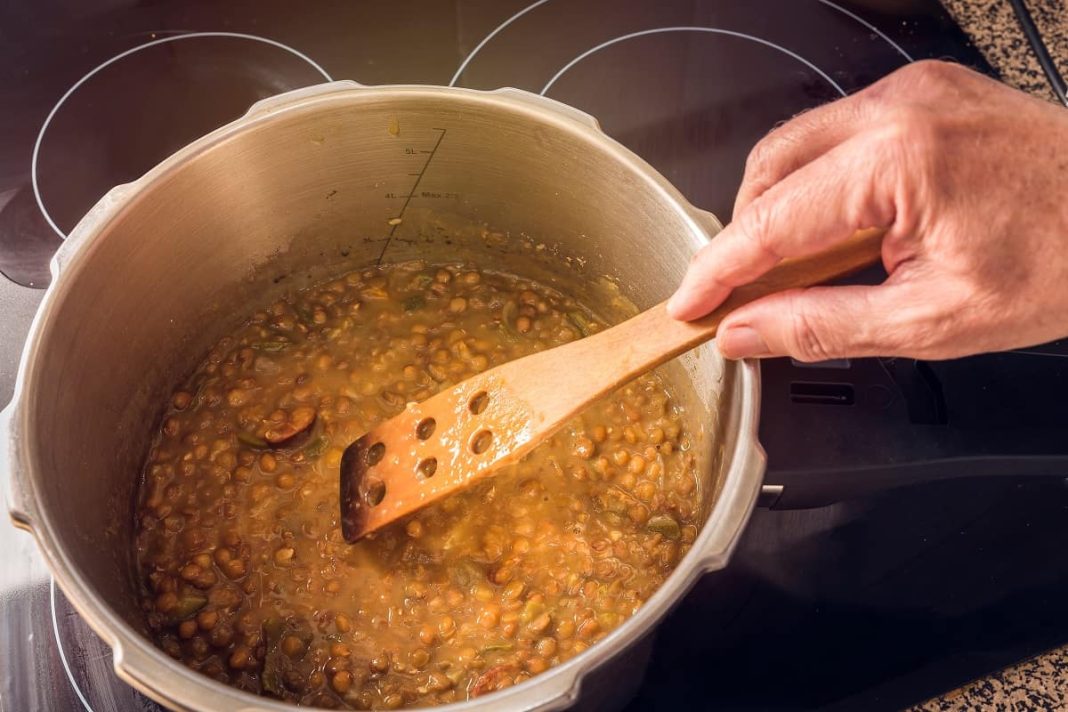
689 86
127 114
132 111
690 89
27 242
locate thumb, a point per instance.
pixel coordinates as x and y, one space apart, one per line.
818 324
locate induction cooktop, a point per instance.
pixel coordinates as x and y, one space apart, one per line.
849 590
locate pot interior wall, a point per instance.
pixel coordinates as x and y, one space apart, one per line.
291 199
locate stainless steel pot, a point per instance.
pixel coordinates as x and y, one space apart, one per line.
307 184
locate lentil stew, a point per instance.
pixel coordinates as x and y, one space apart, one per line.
247 577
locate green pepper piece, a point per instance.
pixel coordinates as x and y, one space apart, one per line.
273 628
270 345
580 322
316 448
466 572
414 302
664 525
189 602
251 440
531 610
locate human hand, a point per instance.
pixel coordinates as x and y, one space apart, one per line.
970 180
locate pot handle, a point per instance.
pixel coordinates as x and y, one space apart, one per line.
89 224
132 665
551 692
15 496
546 693
736 503
741 489
129 666
278 101
545 103
708 222
15 492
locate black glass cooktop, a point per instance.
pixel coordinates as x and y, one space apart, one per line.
97 99
869 604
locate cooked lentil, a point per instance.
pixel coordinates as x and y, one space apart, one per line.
247 578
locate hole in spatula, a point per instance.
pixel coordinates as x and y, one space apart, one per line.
428 467
478 402
481 442
425 428
373 493
375 454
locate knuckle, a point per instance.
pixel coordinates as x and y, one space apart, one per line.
909 132
870 104
905 123
756 224
929 73
941 69
771 154
808 339
927 77
760 159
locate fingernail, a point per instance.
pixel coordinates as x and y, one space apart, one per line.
742 342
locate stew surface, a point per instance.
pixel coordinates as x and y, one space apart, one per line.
247 578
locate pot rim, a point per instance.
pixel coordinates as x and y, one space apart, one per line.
136 659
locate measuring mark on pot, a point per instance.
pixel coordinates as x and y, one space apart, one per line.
395 221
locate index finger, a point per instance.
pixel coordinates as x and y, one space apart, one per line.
813 208
796 143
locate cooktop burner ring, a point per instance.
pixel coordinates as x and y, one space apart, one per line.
873 28
59 645
711 30
533 6
485 40
122 55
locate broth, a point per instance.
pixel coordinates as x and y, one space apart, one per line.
247 578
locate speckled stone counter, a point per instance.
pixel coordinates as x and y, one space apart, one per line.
1042 682
1037 684
993 27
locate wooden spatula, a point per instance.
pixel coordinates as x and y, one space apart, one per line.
458 436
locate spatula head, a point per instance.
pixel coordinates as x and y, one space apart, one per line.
440 445
430 450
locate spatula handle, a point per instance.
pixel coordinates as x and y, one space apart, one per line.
513 407
655 337
651 338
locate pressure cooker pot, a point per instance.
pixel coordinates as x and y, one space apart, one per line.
305 186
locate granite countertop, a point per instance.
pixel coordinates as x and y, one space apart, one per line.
1040 683
993 27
